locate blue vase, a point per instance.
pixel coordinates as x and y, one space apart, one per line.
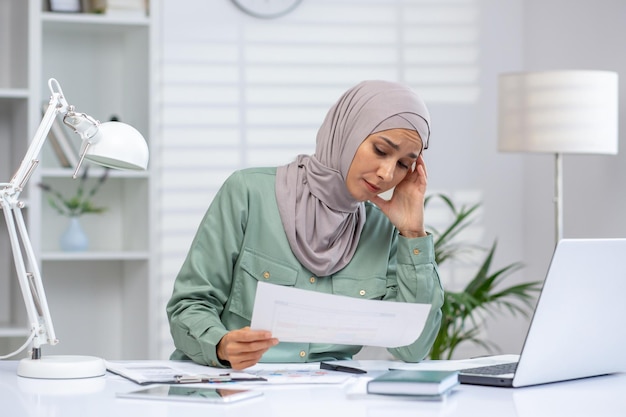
74 239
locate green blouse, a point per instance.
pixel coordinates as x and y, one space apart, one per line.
241 241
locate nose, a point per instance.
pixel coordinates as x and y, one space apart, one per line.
385 170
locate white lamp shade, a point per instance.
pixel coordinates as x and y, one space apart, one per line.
572 111
118 145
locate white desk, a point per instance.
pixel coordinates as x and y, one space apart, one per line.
603 396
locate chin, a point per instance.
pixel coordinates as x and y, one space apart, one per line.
369 196
361 193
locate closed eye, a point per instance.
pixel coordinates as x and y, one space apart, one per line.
403 165
380 152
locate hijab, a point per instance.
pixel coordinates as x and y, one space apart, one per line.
322 221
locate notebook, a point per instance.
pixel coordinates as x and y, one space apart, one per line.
577 328
413 382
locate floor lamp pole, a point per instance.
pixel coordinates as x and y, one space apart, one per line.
558 197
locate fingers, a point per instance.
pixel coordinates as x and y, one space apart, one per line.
417 175
421 167
420 173
247 335
244 347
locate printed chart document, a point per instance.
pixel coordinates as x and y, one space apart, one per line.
175 372
297 373
295 315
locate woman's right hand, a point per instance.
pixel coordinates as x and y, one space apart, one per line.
244 347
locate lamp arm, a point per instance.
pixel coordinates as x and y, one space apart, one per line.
56 105
27 268
30 283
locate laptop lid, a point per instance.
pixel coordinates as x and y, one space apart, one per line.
576 330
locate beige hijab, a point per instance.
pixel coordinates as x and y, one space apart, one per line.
322 221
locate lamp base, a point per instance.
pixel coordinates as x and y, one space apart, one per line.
62 367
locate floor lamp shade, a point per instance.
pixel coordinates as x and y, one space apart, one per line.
571 111
558 112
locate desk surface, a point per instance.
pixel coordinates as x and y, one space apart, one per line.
599 396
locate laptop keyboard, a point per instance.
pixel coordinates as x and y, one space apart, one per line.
499 369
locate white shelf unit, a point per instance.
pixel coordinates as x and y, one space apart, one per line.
99 299
15 120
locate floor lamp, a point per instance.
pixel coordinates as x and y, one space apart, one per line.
558 112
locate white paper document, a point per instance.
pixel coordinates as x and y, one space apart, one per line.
295 315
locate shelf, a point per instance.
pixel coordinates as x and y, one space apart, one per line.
104 65
123 226
91 22
96 256
94 171
98 60
13 331
12 93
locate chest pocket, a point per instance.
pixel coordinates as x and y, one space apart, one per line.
255 267
370 288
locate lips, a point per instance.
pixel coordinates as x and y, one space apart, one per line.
371 187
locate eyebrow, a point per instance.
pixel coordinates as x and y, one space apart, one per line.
397 148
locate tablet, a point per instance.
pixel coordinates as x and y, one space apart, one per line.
192 394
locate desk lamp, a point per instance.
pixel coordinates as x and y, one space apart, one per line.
110 144
570 111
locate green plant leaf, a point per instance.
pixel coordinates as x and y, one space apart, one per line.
486 293
81 202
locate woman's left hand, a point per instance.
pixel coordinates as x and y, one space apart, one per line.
405 208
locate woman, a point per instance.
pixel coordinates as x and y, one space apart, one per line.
317 223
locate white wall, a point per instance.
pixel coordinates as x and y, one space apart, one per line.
565 34
583 34
207 131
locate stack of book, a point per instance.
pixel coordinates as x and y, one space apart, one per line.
419 383
121 8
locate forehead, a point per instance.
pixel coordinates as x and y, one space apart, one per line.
405 139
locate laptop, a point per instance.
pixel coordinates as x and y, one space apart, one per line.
577 329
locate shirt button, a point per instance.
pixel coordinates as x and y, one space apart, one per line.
312 280
266 275
302 354
416 251
362 292
213 363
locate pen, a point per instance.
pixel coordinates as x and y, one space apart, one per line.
341 368
191 379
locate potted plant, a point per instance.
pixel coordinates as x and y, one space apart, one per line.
484 295
73 207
